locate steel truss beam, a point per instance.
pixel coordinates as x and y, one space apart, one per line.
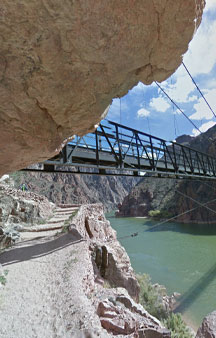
114 149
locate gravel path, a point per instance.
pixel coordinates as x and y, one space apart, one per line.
45 293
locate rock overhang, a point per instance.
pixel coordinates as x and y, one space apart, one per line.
63 62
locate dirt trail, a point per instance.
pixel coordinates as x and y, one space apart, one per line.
37 300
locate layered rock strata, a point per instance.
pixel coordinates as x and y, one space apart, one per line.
61 64
69 188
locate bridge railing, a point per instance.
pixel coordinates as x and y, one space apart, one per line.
113 146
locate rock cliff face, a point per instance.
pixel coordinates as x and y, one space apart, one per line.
67 188
208 326
149 194
62 62
18 207
109 281
160 194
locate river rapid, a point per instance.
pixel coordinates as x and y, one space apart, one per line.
180 256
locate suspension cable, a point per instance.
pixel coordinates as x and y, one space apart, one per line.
173 217
174 117
197 202
147 118
178 108
199 89
148 125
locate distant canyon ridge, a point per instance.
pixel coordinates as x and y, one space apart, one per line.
162 198
62 62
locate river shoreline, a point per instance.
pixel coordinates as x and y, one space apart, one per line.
164 252
190 323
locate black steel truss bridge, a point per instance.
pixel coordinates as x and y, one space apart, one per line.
114 149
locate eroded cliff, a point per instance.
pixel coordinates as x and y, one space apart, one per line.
62 62
63 188
162 194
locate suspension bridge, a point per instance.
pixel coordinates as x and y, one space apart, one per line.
114 149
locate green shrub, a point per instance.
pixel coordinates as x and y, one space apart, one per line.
155 213
158 214
150 297
176 325
152 300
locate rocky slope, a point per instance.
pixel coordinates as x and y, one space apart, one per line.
62 62
75 284
78 283
20 209
68 188
160 194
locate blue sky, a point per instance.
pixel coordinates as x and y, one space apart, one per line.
147 109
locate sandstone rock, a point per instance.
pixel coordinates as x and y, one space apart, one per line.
115 264
62 62
208 327
90 334
119 271
19 207
153 333
120 315
8 236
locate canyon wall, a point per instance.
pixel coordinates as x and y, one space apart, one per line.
62 62
153 194
79 189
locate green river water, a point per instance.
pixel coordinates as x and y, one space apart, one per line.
180 256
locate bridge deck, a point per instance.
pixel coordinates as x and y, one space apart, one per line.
114 149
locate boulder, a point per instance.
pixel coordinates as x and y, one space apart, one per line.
19 208
208 327
8 236
120 315
62 62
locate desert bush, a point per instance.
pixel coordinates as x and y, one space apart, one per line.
177 326
151 298
158 214
155 213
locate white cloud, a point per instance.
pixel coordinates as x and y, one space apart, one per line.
201 56
204 127
181 89
192 98
202 111
211 83
159 104
140 87
116 107
142 113
210 5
